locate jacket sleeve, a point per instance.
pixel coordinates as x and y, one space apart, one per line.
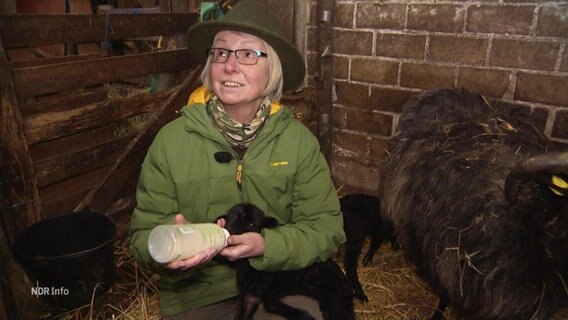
316 227
156 204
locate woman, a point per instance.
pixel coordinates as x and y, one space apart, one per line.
234 143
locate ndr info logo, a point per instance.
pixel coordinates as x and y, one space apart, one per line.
49 291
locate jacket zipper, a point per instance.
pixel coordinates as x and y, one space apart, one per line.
239 175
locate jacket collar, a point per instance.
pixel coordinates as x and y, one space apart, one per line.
201 95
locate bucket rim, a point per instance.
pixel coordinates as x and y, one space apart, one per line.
23 255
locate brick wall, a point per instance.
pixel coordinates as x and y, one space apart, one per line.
386 51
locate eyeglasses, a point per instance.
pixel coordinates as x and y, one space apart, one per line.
244 56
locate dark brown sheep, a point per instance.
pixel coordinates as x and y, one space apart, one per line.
467 183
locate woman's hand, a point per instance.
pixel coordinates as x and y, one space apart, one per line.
246 245
198 258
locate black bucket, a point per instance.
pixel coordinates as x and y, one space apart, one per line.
69 257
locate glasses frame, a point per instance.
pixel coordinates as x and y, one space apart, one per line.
258 54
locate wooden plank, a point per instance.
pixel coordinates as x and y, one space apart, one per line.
63 196
89 96
33 30
127 168
74 75
83 6
47 126
72 144
47 61
16 168
56 169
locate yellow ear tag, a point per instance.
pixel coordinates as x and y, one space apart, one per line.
560 183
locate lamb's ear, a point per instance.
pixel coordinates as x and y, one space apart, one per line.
220 217
269 222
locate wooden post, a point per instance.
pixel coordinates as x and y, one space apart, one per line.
18 178
325 11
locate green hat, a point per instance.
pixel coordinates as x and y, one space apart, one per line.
253 18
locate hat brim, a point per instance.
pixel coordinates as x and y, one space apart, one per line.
200 37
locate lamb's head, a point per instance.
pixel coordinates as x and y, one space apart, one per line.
246 217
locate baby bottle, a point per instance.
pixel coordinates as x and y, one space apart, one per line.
180 241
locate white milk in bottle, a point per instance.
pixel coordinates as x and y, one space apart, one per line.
180 241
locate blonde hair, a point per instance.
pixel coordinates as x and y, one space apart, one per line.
273 89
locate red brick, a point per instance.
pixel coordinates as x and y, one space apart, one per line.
354 173
542 88
374 70
458 49
353 42
369 123
485 81
553 21
349 144
364 122
343 16
564 62
352 95
431 17
377 148
340 67
531 55
560 128
390 100
504 19
426 76
380 16
401 45
539 117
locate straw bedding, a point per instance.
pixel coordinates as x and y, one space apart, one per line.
393 289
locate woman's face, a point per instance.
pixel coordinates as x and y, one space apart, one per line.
238 85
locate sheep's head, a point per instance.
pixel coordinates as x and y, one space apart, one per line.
243 218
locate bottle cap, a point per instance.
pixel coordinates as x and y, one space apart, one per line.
162 244
227 234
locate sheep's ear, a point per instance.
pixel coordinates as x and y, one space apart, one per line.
269 222
220 217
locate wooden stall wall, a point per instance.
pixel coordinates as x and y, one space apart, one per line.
66 120
384 52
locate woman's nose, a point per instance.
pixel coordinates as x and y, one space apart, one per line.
232 64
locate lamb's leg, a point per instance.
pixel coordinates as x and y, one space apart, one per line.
352 250
248 305
442 305
290 313
373 247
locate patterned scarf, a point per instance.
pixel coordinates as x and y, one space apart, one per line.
238 134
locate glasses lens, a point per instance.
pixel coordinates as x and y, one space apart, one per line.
219 55
247 56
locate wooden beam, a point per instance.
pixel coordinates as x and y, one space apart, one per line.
48 61
63 197
16 169
127 168
74 75
56 169
64 103
33 30
46 126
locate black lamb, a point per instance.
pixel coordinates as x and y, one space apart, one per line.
324 281
362 218
479 204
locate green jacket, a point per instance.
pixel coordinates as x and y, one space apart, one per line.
283 173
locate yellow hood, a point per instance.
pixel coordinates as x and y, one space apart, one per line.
202 95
